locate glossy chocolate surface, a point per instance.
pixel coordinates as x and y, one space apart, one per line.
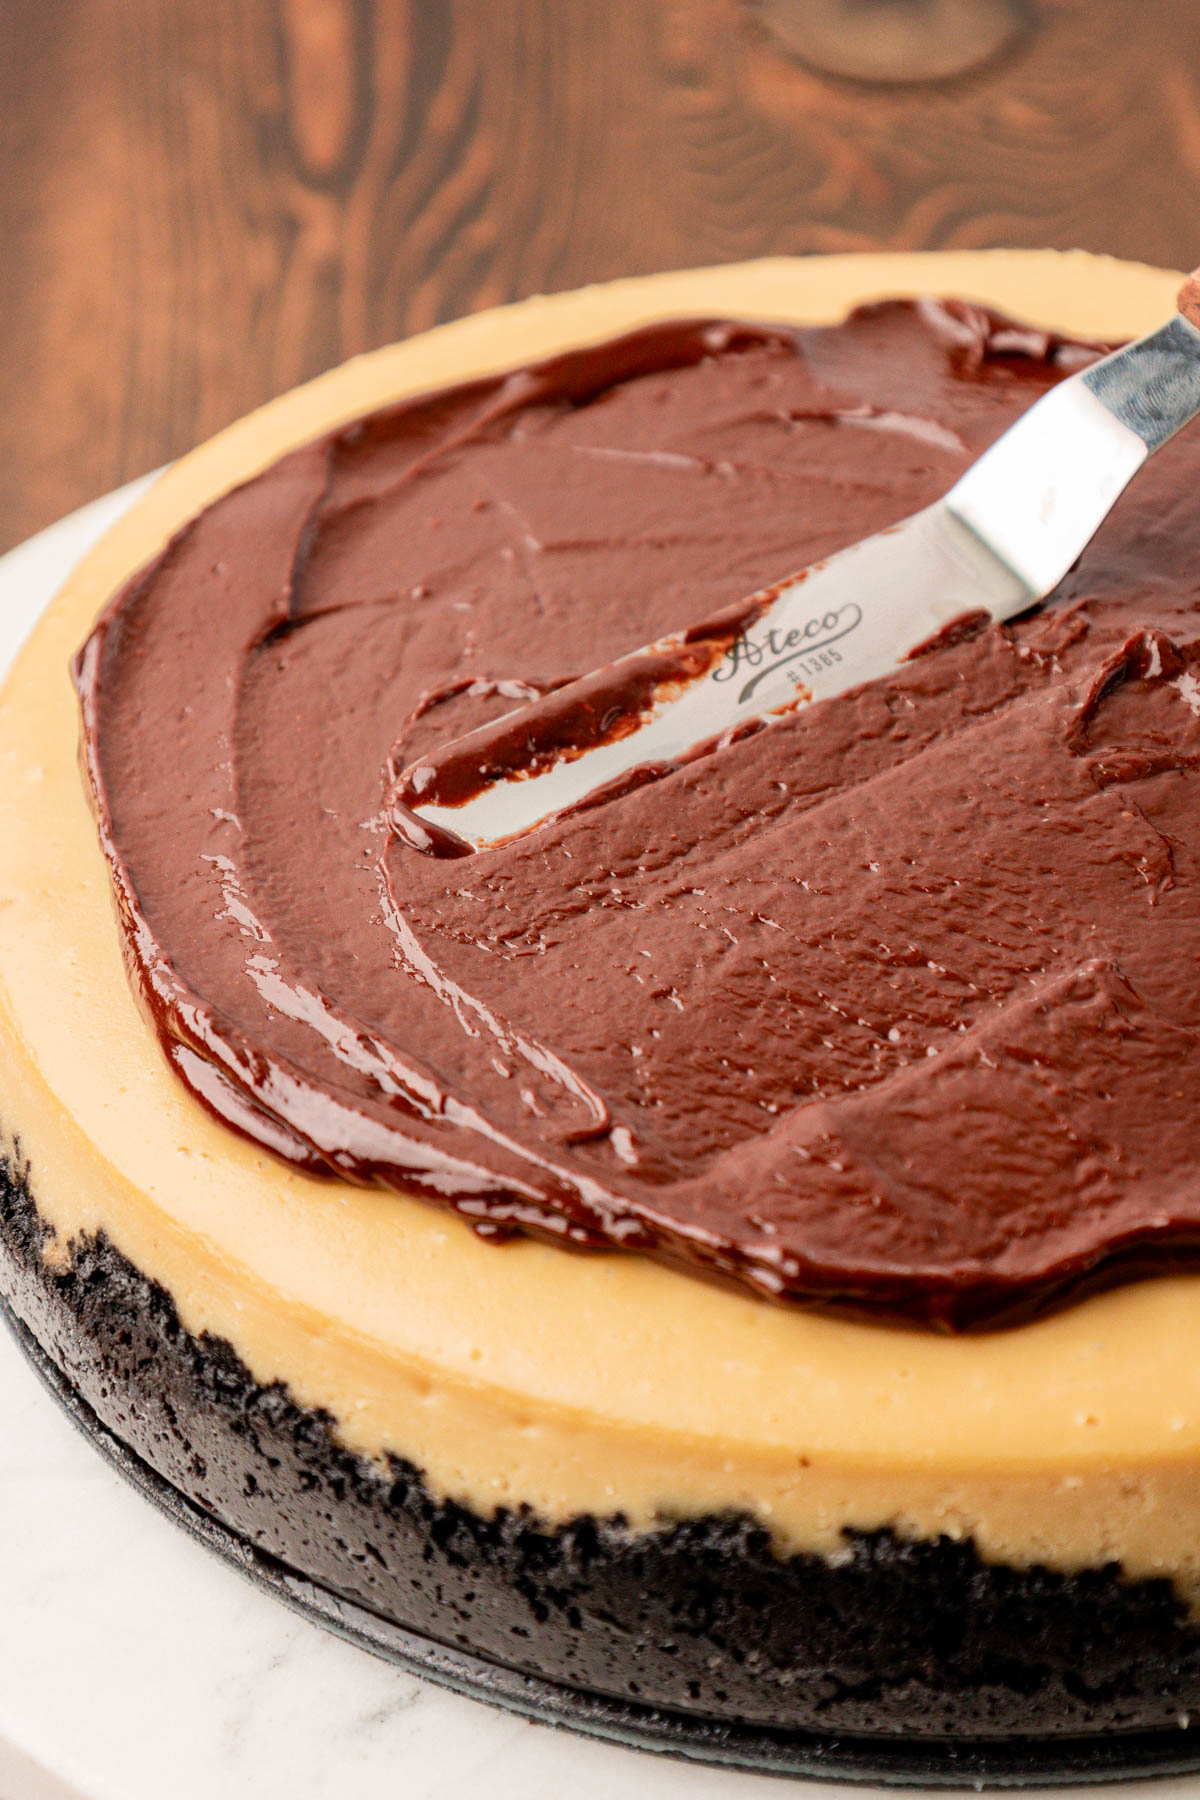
894 1006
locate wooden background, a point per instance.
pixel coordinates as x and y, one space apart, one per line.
204 201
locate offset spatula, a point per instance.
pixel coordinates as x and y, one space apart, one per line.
999 541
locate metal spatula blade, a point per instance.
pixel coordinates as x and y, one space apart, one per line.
998 542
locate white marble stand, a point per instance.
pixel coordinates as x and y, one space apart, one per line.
135 1666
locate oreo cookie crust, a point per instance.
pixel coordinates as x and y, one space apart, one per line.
885 1639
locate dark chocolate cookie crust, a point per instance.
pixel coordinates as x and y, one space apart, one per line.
891 1639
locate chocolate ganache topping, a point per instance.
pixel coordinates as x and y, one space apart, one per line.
892 1007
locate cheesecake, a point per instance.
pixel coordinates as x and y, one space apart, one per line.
731 1251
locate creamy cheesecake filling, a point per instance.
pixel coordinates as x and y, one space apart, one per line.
594 1384
888 1007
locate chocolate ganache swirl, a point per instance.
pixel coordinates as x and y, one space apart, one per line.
892 1007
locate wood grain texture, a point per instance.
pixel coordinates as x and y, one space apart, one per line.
204 201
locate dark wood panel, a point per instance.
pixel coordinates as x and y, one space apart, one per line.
204 201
